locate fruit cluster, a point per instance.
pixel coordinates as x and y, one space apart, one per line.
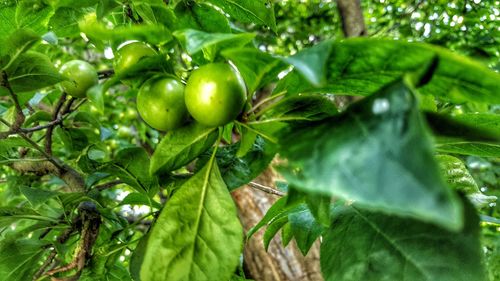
214 94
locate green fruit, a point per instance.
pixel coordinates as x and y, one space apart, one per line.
160 103
215 94
82 76
128 55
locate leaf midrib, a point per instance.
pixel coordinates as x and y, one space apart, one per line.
393 244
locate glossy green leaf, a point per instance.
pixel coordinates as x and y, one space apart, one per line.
187 235
377 153
260 12
238 171
181 146
131 165
32 71
201 16
306 230
380 247
64 22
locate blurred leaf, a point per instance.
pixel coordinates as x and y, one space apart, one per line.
362 66
190 229
385 247
377 153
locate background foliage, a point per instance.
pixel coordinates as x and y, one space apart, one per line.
413 155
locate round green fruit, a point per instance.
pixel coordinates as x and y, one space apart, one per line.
82 76
160 103
215 94
128 55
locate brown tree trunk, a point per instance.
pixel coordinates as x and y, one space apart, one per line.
353 22
279 263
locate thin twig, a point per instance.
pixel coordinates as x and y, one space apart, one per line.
104 74
266 189
19 120
55 115
49 157
107 185
265 100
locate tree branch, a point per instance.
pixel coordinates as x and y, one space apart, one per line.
353 22
266 189
19 120
104 74
107 185
55 115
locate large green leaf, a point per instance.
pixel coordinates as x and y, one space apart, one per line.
305 229
362 66
198 235
237 171
260 12
16 44
372 246
32 71
377 153
201 16
179 147
65 20
19 258
131 165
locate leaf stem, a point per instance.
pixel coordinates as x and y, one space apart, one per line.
265 100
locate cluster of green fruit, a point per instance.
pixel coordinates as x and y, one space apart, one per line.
214 94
